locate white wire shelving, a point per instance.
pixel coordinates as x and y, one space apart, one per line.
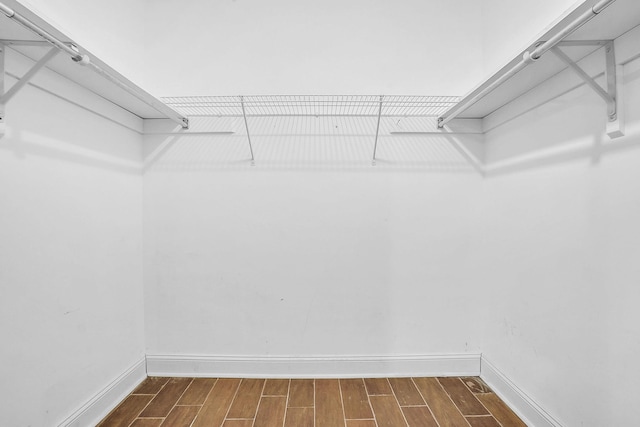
312 105
253 110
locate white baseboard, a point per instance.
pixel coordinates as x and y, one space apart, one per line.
313 367
102 403
525 407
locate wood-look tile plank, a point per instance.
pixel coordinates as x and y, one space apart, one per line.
377 386
238 423
397 402
476 385
443 409
406 392
484 421
419 416
299 417
361 423
271 411
462 397
151 385
181 416
329 411
500 410
166 398
355 399
246 402
300 394
197 391
127 411
147 422
217 404
387 411
276 387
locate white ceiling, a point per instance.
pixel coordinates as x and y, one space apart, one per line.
230 47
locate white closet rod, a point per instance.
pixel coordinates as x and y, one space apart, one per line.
85 60
527 59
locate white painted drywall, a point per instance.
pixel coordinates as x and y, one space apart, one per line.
313 251
561 268
71 296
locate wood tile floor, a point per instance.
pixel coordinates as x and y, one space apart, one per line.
380 402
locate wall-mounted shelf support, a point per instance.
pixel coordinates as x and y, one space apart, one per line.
609 95
246 125
6 96
528 58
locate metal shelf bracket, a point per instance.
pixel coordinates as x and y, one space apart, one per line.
375 145
610 94
6 95
246 125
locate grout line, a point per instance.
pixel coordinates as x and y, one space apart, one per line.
449 397
255 416
427 403
205 400
375 420
478 416
286 403
398 402
197 413
234 399
479 401
344 415
179 397
145 407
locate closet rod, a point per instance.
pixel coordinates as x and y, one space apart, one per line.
527 59
83 59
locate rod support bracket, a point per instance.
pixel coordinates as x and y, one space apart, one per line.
2 78
529 58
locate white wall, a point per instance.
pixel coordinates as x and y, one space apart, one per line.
322 254
71 297
562 268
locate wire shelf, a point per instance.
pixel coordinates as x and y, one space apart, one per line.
312 105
